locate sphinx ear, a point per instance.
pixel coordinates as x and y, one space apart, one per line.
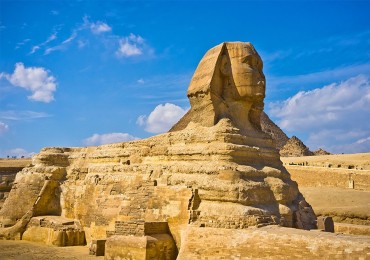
225 65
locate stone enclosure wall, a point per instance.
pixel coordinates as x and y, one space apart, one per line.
329 177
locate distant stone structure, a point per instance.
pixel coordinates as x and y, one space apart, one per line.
294 147
215 169
321 151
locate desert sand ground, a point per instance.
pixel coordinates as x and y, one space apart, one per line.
325 181
360 161
22 162
24 250
344 205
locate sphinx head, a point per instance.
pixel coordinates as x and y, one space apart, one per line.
228 83
246 71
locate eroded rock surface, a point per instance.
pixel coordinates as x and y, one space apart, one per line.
269 127
215 168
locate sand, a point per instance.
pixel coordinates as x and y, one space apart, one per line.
25 250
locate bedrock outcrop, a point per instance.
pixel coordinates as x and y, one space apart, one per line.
215 168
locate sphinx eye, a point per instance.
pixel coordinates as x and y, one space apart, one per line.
248 60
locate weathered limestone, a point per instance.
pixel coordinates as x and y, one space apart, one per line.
270 242
352 229
228 83
269 127
215 168
55 231
156 246
8 171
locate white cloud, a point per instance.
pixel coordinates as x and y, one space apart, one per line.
34 79
162 118
19 152
141 120
97 139
335 116
22 115
34 49
97 27
363 140
3 127
100 27
140 81
131 45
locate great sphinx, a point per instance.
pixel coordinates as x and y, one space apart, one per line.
214 168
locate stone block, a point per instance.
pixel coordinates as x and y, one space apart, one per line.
159 246
97 247
325 223
54 230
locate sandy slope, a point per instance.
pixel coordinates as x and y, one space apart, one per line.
24 250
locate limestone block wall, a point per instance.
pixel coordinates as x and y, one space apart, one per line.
330 177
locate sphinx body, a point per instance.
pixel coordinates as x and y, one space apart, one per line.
215 168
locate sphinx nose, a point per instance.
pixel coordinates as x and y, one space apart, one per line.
260 79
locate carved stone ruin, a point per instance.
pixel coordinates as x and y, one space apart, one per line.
216 168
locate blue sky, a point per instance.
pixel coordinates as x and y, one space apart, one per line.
77 73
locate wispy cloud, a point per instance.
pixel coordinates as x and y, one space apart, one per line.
70 38
326 75
82 43
63 45
171 88
54 12
22 115
3 127
35 79
20 44
334 116
338 43
140 81
96 28
99 139
52 37
119 46
162 118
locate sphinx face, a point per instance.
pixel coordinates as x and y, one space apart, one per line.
246 67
